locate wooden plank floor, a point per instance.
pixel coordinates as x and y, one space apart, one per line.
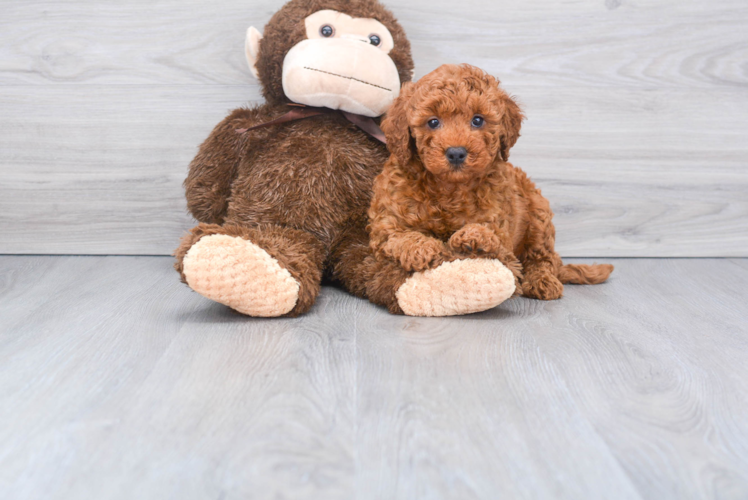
118 382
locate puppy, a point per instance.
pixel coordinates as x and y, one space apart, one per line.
448 192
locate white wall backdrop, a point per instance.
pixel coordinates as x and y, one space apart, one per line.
637 110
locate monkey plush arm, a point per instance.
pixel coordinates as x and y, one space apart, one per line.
208 185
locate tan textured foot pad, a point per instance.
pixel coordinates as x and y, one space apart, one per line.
241 275
454 288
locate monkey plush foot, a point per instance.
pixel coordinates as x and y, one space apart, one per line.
455 288
241 275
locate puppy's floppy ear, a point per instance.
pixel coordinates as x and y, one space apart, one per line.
511 122
396 127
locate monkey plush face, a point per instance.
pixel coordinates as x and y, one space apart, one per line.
343 64
342 57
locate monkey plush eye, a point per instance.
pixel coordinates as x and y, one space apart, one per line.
327 31
375 40
478 121
434 123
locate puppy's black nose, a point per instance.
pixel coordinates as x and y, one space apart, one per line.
456 156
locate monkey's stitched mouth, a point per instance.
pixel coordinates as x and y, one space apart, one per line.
347 78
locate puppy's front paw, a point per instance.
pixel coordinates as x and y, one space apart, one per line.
422 255
475 239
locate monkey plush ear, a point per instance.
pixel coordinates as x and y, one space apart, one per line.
252 49
511 122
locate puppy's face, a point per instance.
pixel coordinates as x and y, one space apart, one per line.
459 122
456 131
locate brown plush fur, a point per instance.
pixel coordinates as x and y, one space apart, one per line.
425 211
298 190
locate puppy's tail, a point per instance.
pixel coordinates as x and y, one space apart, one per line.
584 274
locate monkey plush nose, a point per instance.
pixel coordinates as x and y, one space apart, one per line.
456 156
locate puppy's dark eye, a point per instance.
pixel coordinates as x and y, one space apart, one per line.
327 31
434 123
375 40
478 121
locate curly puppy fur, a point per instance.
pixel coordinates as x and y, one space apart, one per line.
427 210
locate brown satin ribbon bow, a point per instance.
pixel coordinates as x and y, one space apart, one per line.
301 112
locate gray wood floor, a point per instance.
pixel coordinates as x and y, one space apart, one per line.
118 382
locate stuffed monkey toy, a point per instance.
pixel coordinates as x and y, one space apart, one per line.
281 190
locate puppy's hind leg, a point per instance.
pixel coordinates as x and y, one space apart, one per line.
540 261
